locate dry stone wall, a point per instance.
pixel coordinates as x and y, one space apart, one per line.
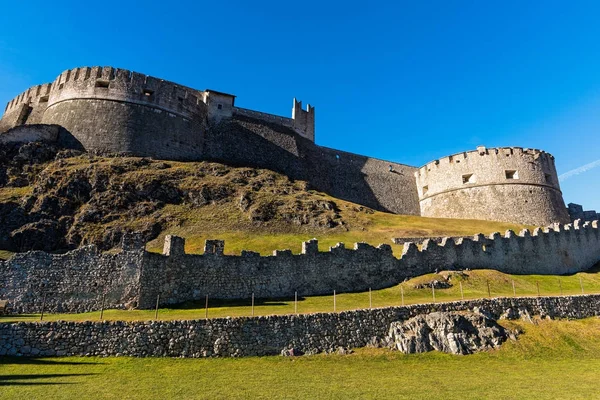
75 281
258 336
71 282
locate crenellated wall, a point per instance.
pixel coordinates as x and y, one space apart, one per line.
501 184
26 108
75 281
117 110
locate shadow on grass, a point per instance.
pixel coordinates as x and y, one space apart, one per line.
40 361
13 380
216 303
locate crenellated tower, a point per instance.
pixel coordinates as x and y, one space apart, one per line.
499 184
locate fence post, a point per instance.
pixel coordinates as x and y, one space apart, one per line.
253 304
402 294
370 299
537 284
433 292
514 290
43 306
334 305
206 308
156 309
560 286
581 284
489 291
462 295
102 306
296 302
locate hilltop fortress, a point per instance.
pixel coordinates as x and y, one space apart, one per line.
118 111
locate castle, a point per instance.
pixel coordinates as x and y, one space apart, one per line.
120 111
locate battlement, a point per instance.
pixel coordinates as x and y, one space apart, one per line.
108 83
36 95
174 276
492 154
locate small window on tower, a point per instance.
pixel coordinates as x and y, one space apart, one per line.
511 174
220 106
468 178
148 94
425 190
548 178
100 83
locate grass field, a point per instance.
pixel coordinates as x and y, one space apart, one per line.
550 360
474 284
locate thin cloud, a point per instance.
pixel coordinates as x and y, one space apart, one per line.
577 171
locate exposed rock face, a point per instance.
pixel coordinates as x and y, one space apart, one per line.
449 332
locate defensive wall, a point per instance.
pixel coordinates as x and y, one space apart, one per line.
576 212
116 110
521 184
75 281
257 336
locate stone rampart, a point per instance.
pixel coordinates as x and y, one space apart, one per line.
257 336
502 184
120 111
26 108
31 133
75 281
117 110
272 118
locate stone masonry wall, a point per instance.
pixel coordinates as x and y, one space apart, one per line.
501 184
256 142
74 281
31 133
121 111
257 336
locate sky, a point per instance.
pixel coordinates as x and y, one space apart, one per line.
403 81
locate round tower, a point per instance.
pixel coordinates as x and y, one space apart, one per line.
508 184
117 110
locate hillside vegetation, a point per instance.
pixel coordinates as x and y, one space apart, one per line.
53 199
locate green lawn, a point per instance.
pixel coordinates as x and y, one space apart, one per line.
550 360
475 285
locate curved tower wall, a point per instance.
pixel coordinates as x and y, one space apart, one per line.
117 110
501 184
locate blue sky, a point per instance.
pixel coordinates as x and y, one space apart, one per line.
403 81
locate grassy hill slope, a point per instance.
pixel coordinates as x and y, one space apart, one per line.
60 200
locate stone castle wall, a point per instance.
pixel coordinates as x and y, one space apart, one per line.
502 184
257 336
75 281
116 110
249 140
26 108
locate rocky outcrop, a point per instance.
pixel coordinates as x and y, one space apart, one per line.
448 332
